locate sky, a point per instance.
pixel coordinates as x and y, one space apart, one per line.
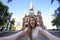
45 6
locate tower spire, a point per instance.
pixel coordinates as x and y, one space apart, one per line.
31 9
31 5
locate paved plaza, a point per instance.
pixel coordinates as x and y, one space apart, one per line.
7 33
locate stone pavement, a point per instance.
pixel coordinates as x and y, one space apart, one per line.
54 32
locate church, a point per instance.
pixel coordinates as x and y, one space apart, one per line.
38 17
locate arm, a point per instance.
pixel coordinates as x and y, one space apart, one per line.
20 34
48 35
15 36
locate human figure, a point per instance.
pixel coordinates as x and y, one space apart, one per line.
33 31
16 36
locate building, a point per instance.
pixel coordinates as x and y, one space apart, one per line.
38 17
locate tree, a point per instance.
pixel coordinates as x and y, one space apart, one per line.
8 1
56 0
56 21
12 27
4 14
52 1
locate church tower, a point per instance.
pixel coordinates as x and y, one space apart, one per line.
38 17
31 9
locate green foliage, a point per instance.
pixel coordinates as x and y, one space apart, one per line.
58 9
9 1
4 13
3 21
53 1
2 29
56 21
4 10
12 25
3 7
13 21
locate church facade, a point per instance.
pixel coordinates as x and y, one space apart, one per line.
38 17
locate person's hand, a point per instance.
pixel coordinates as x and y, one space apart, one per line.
26 29
38 24
26 24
